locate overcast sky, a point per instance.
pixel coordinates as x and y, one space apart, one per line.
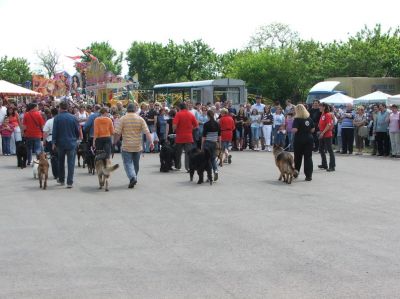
27 26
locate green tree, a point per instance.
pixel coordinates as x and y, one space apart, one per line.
15 70
107 55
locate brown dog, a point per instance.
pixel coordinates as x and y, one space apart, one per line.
43 170
104 169
285 163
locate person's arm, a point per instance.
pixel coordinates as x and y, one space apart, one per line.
54 133
149 137
175 122
118 131
95 132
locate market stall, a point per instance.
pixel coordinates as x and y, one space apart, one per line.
15 92
376 97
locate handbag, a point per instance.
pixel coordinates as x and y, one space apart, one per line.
363 131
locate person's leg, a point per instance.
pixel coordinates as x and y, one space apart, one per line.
29 145
211 147
387 144
329 149
188 147
298 155
71 156
136 159
322 148
6 145
61 165
308 163
12 144
397 143
393 143
345 140
178 155
3 146
350 141
54 161
127 159
379 143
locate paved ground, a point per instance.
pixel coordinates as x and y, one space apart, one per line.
247 236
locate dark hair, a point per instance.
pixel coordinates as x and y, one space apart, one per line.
182 105
31 106
63 105
326 107
54 111
172 113
103 110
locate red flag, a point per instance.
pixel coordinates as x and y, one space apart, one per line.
74 57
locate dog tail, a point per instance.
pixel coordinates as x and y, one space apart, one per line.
108 170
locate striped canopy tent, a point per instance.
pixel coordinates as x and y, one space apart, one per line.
9 89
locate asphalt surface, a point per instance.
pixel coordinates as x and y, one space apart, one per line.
247 236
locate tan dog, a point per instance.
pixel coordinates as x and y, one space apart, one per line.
104 169
285 163
43 170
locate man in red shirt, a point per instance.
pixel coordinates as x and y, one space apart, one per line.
227 126
33 123
325 137
184 123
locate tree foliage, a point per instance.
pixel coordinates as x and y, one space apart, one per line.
107 55
274 35
15 70
157 63
49 61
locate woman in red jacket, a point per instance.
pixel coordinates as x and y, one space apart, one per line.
227 126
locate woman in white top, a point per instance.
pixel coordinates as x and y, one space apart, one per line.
394 131
82 117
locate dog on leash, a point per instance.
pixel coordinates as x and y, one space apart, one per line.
90 161
22 154
167 156
81 151
285 163
41 170
103 169
200 161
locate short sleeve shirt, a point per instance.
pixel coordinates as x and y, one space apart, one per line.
326 119
303 126
185 122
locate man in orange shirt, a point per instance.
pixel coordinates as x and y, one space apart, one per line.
33 123
184 123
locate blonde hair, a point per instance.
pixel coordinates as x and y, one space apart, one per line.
301 112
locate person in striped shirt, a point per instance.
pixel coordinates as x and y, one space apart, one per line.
131 126
211 136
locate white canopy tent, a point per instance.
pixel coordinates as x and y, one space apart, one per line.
372 98
394 100
338 99
9 89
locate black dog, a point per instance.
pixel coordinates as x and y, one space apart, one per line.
167 156
200 161
81 152
22 154
90 160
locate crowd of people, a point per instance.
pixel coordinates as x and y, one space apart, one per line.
58 128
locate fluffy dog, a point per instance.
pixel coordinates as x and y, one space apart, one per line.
22 154
285 163
90 160
104 169
35 167
81 152
200 161
43 170
167 156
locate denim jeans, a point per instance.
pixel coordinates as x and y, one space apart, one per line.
35 145
212 146
5 141
325 144
131 164
71 155
255 133
54 158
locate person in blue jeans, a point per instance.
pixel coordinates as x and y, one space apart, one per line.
65 136
131 127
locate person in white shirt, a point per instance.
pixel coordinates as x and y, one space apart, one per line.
258 105
47 140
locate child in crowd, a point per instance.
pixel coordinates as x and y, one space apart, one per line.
6 131
280 136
